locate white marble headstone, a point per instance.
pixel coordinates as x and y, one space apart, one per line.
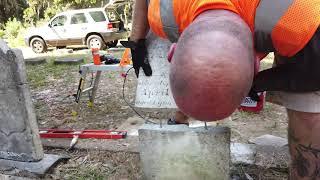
154 91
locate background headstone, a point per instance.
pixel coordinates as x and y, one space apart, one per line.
19 138
242 153
269 140
154 91
69 60
35 61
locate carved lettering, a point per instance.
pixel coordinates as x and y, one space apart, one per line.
154 91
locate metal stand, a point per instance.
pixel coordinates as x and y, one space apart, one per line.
91 68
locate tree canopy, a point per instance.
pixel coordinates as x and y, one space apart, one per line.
12 9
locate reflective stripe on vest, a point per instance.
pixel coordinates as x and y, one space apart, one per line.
169 24
268 14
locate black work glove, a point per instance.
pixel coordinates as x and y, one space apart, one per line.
139 56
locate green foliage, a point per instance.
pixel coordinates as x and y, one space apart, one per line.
11 8
19 40
12 28
2 33
29 15
14 32
51 11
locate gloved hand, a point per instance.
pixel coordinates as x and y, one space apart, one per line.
139 53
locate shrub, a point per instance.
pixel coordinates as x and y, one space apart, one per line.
2 33
12 28
29 15
14 32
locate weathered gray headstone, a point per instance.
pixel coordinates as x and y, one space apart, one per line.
242 153
19 138
64 51
116 49
154 91
69 60
269 140
179 152
35 61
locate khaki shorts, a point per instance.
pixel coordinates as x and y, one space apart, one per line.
304 102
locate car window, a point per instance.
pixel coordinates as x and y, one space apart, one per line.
78 18
97 16
59 21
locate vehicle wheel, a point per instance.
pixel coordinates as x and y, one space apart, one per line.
38 45
112 43
95 41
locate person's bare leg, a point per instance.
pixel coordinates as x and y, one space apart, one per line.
304 144
180 117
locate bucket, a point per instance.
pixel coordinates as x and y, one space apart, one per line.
96 56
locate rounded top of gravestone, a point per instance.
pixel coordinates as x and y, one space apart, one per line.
4 46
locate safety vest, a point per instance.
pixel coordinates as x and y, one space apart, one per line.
161 19
284 26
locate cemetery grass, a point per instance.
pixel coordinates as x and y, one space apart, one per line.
52 88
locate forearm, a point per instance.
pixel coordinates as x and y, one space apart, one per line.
304 145
140 25
296 77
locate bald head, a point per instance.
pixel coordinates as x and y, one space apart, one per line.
212 67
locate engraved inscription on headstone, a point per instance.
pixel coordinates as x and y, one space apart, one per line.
19 138
154 91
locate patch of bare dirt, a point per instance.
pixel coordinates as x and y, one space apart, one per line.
96 165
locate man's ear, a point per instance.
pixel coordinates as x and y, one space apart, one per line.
128 44
171 51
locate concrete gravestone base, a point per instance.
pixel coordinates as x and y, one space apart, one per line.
179 152
31 169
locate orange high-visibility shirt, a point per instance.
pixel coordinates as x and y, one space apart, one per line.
291 33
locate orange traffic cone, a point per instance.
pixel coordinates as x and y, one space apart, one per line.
125 60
